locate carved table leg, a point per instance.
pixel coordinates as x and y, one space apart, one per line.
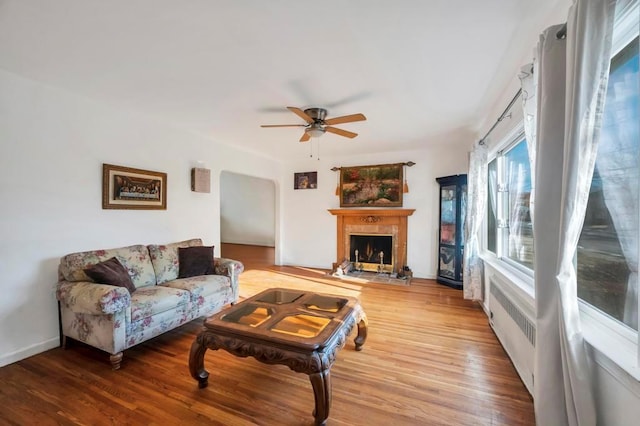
321 383
362 331
196 363
116 359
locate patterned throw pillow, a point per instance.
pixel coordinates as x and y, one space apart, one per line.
111 272
195 261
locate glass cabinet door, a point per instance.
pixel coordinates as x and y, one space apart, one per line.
453 204
448 214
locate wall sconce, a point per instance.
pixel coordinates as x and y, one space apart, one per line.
200 180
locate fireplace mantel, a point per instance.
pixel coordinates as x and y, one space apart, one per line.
374 221
372 212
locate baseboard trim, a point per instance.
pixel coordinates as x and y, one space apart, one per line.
32 350
250 243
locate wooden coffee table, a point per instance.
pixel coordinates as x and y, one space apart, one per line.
302 330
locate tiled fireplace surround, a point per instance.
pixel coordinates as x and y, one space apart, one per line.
371 222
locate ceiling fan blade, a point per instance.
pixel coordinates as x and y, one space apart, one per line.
345 119
283 125
341 132
305 137
300 113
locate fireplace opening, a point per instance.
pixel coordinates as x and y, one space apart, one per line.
371 249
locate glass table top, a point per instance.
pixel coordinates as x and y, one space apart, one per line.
324 303
280 296
289 312
301 325
249 314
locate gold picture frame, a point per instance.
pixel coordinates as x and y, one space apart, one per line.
371 186
133 189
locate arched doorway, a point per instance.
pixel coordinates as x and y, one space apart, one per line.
247 218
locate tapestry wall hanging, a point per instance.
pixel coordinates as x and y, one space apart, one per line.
371 186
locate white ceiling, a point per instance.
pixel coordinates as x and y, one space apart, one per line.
423 72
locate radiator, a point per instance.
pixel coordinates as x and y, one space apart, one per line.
515 330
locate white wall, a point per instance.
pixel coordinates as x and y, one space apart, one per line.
53 144
309 230
247 210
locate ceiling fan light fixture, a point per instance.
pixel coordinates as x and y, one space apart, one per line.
315 131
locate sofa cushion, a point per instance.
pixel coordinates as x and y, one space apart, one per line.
194 261
146 328
111 272
201 286
134 258
165 258
150 301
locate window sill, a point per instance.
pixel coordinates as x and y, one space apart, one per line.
521 283
615 347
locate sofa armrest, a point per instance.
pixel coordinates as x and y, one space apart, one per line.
84 297
232 269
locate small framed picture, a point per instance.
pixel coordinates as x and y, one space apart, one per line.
128 188
306 180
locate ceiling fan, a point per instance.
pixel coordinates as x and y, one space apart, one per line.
317 124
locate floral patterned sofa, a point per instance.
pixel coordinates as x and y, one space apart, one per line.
113 319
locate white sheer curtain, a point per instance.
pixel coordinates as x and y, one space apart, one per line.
473 267
517 173
528 83
621 198
572 83
617 165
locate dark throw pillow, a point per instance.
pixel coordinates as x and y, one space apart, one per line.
194 261
111 272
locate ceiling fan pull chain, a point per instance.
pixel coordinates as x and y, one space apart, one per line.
311 149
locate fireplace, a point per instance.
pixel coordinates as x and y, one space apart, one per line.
371 231
371 252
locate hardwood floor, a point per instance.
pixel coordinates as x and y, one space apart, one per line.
430 359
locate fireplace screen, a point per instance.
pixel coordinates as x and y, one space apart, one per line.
371 249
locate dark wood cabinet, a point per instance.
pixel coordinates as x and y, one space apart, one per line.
453 206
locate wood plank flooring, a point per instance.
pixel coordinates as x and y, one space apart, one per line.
430 359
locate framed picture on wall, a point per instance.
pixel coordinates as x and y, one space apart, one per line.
306 180
369 186
129 188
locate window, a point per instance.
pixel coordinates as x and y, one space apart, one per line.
607 256
608 251
510 232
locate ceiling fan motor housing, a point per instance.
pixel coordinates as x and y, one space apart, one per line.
317 128
318 114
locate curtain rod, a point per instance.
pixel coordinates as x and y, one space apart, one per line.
502 116
562 34
408 164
